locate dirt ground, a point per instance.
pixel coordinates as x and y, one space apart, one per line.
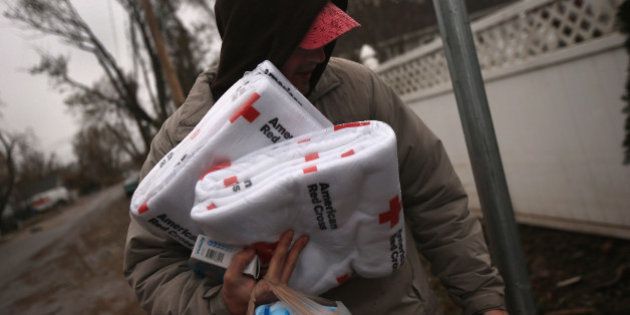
570 273
76 277
575 273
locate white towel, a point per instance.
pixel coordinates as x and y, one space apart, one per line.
340 186
262 108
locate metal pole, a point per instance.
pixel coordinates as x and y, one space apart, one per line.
484 153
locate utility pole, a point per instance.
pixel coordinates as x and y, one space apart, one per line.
484 154
167 66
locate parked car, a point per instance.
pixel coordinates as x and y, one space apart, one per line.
49 199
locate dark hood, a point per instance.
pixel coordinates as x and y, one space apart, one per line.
255 30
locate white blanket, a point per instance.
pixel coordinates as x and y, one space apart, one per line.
262 108
340 186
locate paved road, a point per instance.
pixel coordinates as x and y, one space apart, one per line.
17 252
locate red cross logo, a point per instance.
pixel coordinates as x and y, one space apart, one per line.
247 110
393 215
232 180
143 208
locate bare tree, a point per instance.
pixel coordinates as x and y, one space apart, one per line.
8 170
99 157
185 50
22 167
60 18
114 102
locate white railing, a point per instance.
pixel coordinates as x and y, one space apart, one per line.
507 39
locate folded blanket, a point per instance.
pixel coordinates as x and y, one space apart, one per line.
262 108
340 186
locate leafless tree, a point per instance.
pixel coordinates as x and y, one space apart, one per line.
22 166
8 170
114 103
99 163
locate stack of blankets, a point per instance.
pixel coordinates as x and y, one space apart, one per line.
264 160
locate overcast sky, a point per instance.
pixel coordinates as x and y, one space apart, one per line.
30 101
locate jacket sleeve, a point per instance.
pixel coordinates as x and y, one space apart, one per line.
436 208
157 268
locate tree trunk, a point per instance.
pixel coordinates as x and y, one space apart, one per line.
167 66
8 145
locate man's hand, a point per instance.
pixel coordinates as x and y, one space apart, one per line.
237 287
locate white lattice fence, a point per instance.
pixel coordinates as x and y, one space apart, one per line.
512 36
421 73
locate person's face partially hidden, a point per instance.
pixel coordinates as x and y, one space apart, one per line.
300 65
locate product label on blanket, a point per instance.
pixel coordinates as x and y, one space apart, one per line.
166 224
219 254
323 208
282 85
275 131
397 249
181 160
167 158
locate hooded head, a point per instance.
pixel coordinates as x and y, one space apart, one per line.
255 30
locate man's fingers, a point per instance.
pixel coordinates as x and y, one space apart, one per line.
237 288
294 254
279 255
238 264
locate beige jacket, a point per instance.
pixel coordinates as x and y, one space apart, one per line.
435 206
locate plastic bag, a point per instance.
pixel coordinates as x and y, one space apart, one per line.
294 302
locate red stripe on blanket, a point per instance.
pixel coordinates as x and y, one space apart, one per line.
216 167
247 110
143 208
347 153
230 181
311 156
310 169
351 125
